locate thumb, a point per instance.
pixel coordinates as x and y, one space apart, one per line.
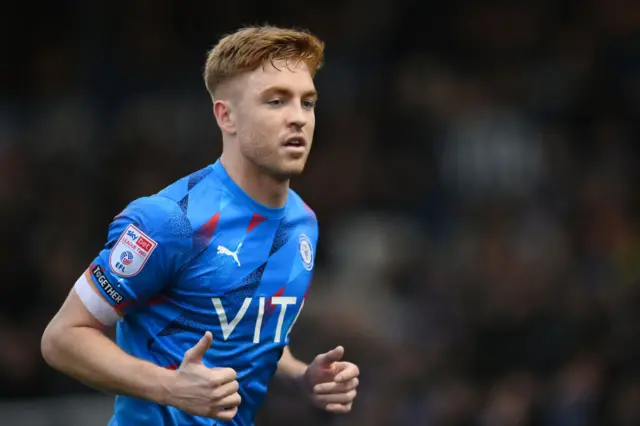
195 354
330 357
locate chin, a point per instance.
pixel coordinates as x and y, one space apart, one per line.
288 171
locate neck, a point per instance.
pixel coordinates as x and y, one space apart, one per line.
260 186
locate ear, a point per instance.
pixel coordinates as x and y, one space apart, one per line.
223 111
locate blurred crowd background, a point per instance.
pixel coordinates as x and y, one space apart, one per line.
475 174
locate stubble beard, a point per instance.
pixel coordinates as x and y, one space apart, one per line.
269 160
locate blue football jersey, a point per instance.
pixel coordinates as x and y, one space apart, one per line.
202 255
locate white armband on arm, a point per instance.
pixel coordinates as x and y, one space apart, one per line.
95 303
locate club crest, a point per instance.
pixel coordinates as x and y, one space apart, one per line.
306 252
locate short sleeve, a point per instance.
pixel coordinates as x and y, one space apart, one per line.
146 246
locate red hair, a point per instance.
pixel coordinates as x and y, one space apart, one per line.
248 48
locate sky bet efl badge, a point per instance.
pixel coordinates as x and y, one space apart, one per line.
131 252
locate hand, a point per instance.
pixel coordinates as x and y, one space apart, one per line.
332 382
202 391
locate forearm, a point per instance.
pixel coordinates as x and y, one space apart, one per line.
290 368
89 356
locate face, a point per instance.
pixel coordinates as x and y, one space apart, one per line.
274 118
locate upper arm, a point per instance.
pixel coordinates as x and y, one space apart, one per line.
146 245
73 313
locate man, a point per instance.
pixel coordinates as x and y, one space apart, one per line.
206 278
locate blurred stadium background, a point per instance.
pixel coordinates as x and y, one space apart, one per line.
475 173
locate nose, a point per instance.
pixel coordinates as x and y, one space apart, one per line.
298 117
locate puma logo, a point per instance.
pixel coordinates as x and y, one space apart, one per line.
227 252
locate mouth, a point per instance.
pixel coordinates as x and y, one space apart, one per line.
296 142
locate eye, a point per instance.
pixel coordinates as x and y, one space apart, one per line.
309 103
275 102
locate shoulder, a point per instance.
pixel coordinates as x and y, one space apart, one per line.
304 218
160 217
170 211
150 230
179 190
300 208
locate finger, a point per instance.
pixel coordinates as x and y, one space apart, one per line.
347 371
229 401
339 408
330 357
334 387
195 354
222 391
223 375
226 414
337 398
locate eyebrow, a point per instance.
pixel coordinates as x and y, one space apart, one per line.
285 91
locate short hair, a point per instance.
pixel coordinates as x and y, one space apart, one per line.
251 47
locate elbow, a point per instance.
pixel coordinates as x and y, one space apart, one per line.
50 345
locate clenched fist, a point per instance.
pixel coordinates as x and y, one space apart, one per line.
332 382
202 391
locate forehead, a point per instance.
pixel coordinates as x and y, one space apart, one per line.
294 76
